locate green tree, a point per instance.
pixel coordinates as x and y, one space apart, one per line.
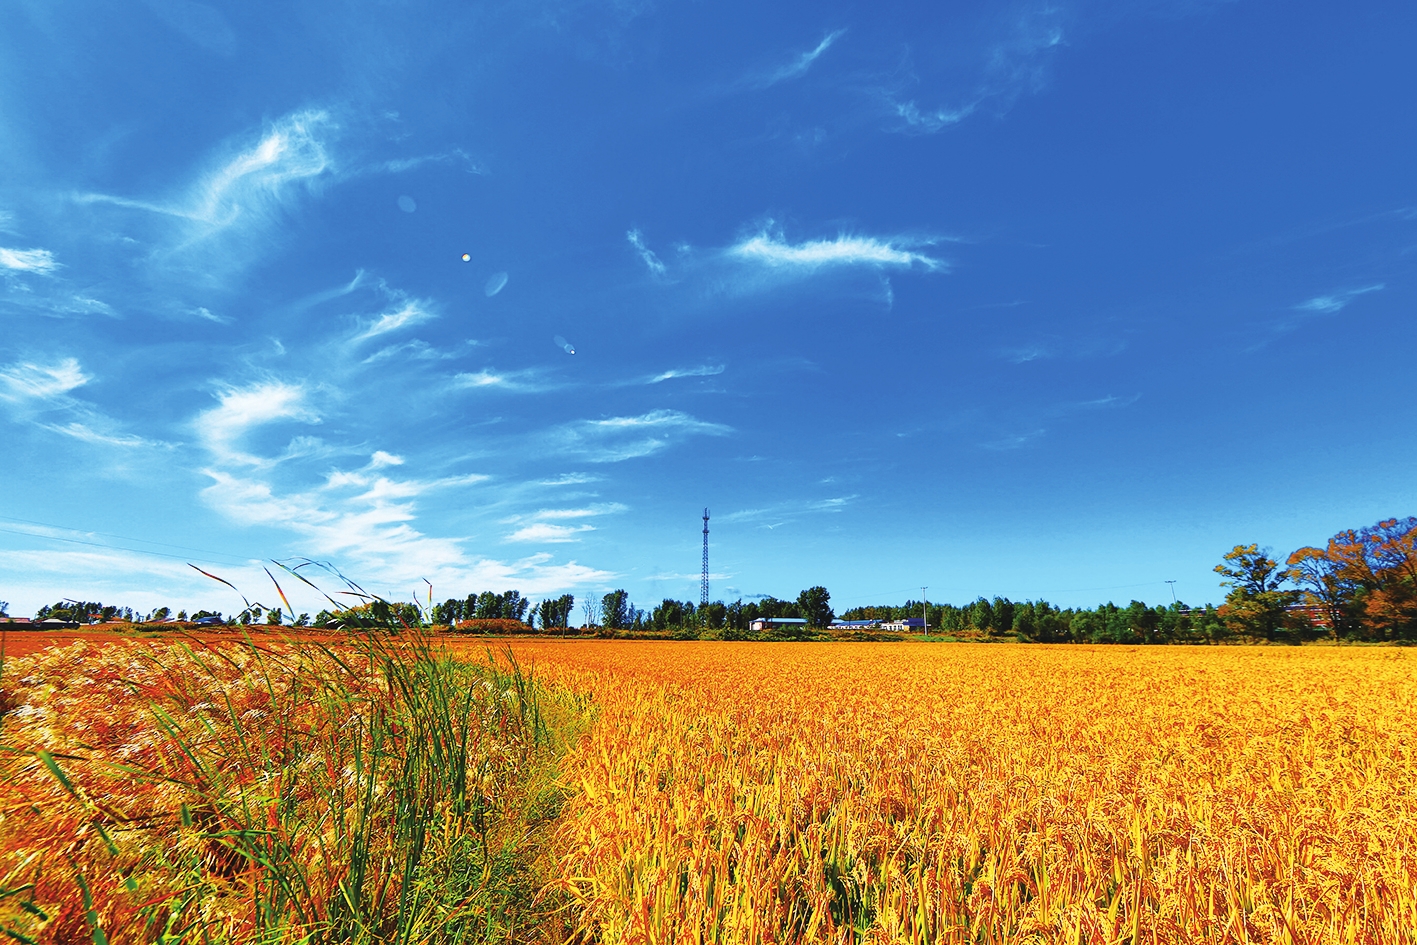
815 604
615 609
669 614
1257 603
714 614
489 606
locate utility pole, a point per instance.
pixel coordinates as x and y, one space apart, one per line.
1173 591
924 614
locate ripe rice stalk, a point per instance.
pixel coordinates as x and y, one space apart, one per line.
794 793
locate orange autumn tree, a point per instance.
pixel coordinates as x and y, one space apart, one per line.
1364 579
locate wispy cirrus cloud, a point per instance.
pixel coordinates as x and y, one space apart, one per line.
411 312
417 350
765 260
231 213
543 524
602 508
651 261
703 370
455 156
1048 347
87 434
780 513
31 381
798 66
1028 431
255 183
1335 302
545 532
570 479
1319 306
524 381
1015 65
40 261
239 410
1014 441
617 439
40 393
769 247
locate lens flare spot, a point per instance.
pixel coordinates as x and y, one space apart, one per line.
495 284
564 345
466 257
406 204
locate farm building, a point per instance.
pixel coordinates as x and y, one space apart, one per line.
909 623
778 623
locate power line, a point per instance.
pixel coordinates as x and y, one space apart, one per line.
142 541
95 544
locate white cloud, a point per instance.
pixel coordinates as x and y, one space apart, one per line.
617 439
771 249
1025 354
650 259
789 510
1015 65
570 479
381 459
419 351
28 260
933 120
224 219
82 431
544 532
371 532
798 67
203 312
27 381
1332 304
706 370
455 156
413 312
240 409
292 152
486 379
606 508
254 182
1014 441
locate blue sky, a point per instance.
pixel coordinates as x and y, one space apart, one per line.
1052 300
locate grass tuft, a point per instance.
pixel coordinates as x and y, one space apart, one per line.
381 791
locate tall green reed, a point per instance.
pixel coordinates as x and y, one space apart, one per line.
382 791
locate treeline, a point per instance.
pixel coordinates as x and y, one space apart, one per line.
74 611
1361 586
1041 622
508 605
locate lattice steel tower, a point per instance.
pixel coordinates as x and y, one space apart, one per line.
703 581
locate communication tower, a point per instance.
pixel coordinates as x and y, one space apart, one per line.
703 581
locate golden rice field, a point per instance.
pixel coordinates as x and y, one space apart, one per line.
836 792
713 792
